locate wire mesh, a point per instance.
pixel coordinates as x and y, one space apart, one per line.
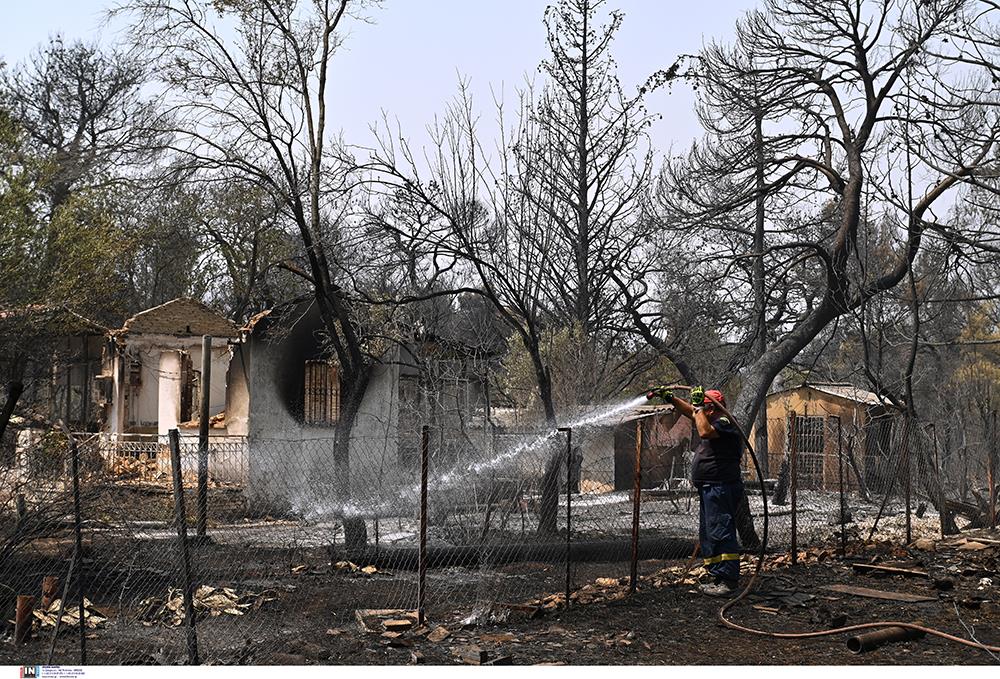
505 507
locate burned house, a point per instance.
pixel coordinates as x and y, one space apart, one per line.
274 399
284 396
50 358
153 369
821 422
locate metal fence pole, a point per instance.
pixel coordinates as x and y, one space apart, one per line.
425 444
991 476
181 519
794 476
908 491
206 388
636 494
942 510
78 533
843 496
569 507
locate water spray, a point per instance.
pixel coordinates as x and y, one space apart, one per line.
459 474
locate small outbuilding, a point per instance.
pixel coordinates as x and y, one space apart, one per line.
821 422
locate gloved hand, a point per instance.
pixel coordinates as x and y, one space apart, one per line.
698 396
660 392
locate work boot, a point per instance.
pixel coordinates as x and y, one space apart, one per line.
719 588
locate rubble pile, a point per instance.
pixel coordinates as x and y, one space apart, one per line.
208 601
71 615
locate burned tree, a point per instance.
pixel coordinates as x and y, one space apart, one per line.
82 110
542 234
859 78
248 86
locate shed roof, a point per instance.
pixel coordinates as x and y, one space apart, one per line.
642 412
181 317
842 390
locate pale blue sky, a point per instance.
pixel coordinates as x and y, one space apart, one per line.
408 61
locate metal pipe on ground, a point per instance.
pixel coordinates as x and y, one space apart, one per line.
869 641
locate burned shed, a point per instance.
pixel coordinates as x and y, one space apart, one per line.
822 420
665 440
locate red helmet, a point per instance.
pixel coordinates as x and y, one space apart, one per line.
716 395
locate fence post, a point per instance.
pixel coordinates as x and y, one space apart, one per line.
794 482
425 444
569 506
206 388
991 476
636 494
908 490
942 510
78 533
843 496
181 519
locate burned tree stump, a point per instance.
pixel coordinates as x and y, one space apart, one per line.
549 506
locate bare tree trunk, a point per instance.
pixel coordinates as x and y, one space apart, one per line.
932 485
549 501
352 394
14 390
549 506
759 292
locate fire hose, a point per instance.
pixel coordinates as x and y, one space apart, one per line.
877 625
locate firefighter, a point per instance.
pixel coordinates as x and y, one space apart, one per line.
716 473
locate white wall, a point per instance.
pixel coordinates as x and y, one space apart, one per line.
155 407
169 392
292 464
142 409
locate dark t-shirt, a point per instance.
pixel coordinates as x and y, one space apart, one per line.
718 460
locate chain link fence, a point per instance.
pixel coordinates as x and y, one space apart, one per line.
505 516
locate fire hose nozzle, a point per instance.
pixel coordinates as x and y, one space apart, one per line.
660 391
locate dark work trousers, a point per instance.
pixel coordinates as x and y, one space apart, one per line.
717 529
